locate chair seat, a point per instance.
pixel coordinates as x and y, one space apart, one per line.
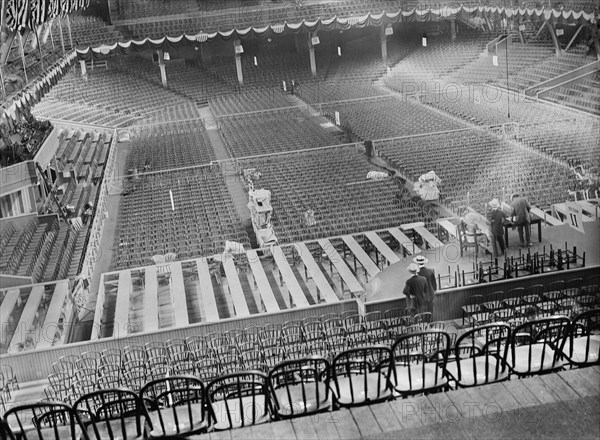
291 401
528 359
116 429
353 389
187 421
472 374
415 378
256 405
584 352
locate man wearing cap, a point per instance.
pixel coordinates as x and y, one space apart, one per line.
429 275
415 288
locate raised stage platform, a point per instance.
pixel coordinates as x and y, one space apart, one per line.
390 282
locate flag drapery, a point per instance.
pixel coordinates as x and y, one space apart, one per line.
338 23
29 14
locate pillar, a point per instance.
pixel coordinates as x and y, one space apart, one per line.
83 67
383 40
453 29
311 53
163 68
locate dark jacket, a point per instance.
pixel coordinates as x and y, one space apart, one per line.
497 222
415 288
520 209
429 275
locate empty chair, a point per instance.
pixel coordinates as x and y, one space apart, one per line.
238 399
300 387
49 420
175 406
472 306
112 414
536 346
420 362
583 346
361 375
480 356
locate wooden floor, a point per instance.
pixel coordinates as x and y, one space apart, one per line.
558 405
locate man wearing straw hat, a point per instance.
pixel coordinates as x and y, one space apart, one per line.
429 275
496 217
415 289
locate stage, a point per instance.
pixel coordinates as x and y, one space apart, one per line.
389 283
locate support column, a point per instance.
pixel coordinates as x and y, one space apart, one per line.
163 68
311 53
554 37
453 29
383 33
83 67
238 60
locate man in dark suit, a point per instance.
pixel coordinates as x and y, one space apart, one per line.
429 275
415 289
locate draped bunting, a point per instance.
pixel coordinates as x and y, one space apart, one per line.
36 91
32 13
339 23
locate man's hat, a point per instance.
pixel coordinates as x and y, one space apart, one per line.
413 268
494 204
420 260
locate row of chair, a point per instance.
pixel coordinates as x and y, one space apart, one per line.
421 362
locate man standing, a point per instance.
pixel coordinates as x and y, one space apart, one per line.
521 218
415 289
429 275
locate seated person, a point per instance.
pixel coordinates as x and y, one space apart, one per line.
474 235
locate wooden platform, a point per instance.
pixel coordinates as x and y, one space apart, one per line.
558 405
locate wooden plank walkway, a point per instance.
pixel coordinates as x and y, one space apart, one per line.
382 248
361 256
325 290
24 327
289 279
6 308
235 287
428 237
556 405
551 220
53 314
206 289
150 299
178 295
262 282
404 241
121 323
345 273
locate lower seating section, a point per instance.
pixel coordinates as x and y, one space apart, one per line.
333 183
273 132
204 217
581 94
491 163
315 365
168 146
388 117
